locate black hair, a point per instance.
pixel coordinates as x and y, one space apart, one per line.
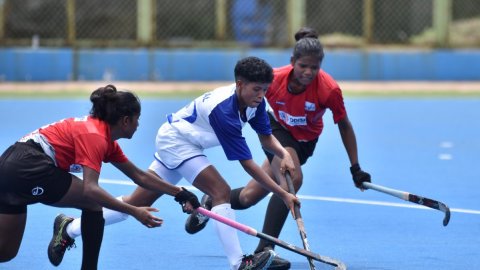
110 105
253 69
307 44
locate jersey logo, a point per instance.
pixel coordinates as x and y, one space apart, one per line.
292 120
76 168
80 119
280 102
192 118
309 106
37 191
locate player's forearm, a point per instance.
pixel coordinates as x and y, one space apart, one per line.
257 173
150 181
104 199
349 141
272 145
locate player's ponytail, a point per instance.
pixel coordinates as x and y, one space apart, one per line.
307 44
110 105
305 32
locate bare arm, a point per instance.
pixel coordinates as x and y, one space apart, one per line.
92 191
151 181
272 145
349 140
257 173
350 143
147 180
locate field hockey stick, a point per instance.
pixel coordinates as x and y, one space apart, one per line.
251 231
299 220
409 197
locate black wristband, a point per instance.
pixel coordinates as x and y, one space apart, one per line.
355 168
182 196
186 196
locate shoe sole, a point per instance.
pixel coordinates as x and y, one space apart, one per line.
194 229
205 203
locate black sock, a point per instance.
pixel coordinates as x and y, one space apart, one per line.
92 235
275 217
235 199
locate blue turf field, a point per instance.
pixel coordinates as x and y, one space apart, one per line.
427 146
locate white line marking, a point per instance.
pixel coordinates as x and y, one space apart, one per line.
445 157
446 144
321 198
117 182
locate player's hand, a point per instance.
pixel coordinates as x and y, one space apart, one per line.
359 176
286 164
291 200
143 214
187 200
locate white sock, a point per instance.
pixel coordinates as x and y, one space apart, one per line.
228 235
111 217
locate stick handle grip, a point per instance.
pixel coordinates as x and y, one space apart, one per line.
291 189
232 223
299 219
396 193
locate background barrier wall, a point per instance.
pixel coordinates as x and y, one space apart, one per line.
20 64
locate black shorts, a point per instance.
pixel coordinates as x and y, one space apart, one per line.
28 176
304 149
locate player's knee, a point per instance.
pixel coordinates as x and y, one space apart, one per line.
221 195
298 181
235 199
248 201
247 197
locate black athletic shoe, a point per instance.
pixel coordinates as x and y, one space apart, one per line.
60 239
278 263
259 261
196 221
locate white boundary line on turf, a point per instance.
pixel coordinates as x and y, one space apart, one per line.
321 198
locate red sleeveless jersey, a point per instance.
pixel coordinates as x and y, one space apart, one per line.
82 141
301 114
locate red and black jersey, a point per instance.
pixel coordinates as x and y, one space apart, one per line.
301 114
82 141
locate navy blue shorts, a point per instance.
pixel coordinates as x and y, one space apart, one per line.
28 176
304 149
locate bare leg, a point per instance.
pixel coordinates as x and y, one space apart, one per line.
12 227
212 183
92 221
277 212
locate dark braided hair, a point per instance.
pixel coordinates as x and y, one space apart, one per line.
253 69
307 44
110 105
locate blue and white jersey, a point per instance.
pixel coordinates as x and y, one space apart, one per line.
210 120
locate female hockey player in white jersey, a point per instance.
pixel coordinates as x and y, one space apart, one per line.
216 118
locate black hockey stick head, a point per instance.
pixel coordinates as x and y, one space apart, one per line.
432 204
446 219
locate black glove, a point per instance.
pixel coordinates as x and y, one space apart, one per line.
359 176
186 196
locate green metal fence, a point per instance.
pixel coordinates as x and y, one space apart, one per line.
235 23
